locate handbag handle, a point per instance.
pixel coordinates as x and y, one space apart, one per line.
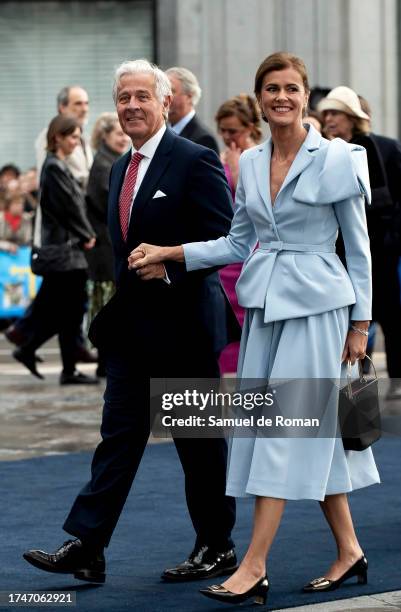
361 374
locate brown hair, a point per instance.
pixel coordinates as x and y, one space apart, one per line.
315 114
61 125
105 123
360 126
280 61
245 108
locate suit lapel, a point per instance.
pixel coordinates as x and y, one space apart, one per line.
304 157
157 167
261 166
302 160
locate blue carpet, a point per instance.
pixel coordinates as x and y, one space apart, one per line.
154 532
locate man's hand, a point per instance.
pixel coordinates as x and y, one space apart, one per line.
152 272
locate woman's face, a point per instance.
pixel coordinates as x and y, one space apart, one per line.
338 125
116 140
66 144
283 97
233 131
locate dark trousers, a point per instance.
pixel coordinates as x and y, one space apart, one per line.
125 431
58 308
387 306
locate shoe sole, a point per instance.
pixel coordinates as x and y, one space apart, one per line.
84 574
223 572
34 372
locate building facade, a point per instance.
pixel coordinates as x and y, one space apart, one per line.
48 44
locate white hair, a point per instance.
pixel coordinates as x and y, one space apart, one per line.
189 82
142 66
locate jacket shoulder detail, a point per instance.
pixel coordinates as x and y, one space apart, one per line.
338 172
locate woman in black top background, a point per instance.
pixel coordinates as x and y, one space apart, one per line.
60 303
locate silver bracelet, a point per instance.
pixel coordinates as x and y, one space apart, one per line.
360 331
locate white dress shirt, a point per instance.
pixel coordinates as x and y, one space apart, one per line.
182 123
148 149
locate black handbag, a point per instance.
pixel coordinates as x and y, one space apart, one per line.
359 411
51 258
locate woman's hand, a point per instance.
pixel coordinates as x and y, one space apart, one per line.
355 345
231 158
90 244
147 254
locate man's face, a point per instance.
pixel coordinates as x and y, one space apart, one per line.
78 105
181 104
139 110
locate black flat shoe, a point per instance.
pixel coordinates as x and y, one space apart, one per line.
359 569
258 592
202 563
71 558
77 378
28 360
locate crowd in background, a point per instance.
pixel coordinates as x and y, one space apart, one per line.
334 113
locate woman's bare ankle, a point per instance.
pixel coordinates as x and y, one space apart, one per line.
350 554
254 567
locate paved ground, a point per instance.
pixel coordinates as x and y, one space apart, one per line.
374 603
42 418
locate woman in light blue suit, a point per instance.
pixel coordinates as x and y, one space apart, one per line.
305 314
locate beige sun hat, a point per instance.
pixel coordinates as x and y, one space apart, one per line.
342 99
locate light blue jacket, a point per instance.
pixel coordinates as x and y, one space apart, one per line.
295 271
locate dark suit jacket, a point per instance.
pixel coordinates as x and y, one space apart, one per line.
197 132
384 160
100 258
193 312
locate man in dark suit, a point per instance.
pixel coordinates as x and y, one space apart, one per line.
167 190
181 116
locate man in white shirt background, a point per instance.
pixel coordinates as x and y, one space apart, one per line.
182 116
71 100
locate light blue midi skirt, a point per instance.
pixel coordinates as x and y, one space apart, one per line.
295 468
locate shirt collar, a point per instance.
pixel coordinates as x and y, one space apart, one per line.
182 123
148 149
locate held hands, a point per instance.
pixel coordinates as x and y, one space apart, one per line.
147 260
355 346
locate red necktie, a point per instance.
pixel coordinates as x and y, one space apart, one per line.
127 192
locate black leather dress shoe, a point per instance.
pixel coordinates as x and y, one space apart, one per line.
71 558
203 563
77 378
28 360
